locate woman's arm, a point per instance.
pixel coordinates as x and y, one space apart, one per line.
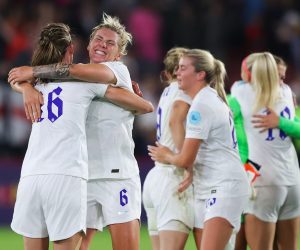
177 122
272 120
184 159
128 100
239 127
32 99
177 126
86 72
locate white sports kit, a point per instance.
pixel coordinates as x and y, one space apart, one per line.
220 179
161 200
56 157
278 187
111 160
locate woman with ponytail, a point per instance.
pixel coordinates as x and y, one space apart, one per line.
220 184
275 205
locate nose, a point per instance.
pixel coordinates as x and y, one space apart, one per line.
103 44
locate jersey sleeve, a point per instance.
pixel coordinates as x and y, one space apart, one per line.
290 127
183 97
121 73
100 89
239 127
199 121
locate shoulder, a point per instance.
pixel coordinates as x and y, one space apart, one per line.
239 87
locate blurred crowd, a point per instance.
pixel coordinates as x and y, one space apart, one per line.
230 29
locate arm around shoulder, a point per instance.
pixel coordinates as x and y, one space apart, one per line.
128 100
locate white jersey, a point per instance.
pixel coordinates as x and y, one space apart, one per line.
218 162
273 150
109 134
163 133
57 143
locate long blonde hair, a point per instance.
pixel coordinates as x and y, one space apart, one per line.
265 81
214 69
113 23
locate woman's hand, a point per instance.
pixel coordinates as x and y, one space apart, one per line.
187 180
270 120
33 100
20 74
160 153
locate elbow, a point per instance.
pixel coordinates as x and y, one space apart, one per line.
149 108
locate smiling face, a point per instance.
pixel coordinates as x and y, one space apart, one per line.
188 79
104 46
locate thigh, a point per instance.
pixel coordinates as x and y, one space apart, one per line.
228 208
120 200
216 233
259 234
28 218
172 240
72 243
64 205
32 243
125 236
197 237
268 203
291 206
287 232
94 218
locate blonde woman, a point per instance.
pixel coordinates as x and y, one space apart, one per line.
278 187
169 212
114 188
220 184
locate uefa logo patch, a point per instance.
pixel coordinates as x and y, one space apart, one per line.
194 117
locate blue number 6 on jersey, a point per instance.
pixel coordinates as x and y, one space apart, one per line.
123 197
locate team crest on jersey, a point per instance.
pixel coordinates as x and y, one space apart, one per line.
194 117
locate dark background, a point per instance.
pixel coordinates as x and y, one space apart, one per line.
228 29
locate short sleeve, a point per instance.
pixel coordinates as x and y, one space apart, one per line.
100 89
199 121
183 97
121 73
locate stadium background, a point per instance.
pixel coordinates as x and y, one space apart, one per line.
230 29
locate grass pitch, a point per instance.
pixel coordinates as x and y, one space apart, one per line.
12 241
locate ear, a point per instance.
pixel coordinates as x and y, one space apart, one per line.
118 57
201 75
71 49
68 58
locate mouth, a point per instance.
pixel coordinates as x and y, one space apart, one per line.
100 52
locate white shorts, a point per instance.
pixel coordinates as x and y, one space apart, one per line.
230 208
51 206
275 203
113 201
163 203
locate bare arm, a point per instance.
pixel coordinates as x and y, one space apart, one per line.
177 122
177 126
271 120
184 159
32 99
128 100
93 73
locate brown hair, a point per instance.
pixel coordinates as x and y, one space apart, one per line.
52 44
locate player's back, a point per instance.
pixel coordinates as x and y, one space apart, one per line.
57 143
272 149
